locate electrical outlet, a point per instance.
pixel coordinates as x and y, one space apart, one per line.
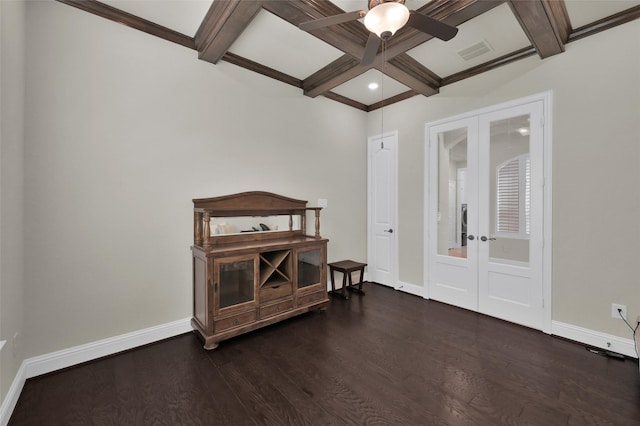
614 311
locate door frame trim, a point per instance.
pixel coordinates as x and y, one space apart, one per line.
370 231
547 210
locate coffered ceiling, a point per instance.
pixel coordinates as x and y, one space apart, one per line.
263 36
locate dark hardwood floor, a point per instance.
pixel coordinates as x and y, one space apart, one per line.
386 358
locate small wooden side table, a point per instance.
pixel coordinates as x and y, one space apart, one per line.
347 267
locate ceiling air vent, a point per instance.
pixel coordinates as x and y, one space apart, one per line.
475 50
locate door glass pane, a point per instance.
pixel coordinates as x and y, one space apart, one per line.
236 282
510 190
308 268
452 197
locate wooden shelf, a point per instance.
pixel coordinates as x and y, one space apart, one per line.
275 267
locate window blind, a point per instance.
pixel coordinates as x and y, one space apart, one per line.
508 198
513 196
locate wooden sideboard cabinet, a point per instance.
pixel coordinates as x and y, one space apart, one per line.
253 264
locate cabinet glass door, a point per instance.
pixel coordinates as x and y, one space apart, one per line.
309 267
236 282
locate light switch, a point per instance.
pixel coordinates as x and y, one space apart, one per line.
322 202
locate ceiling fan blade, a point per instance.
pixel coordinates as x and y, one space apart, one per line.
431 26
332 20
371 49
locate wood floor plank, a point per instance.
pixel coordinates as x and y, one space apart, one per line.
291 387
387 358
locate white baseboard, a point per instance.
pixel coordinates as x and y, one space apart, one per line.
11 398
594 338
67 357
53 361
48 363
416 290
568 331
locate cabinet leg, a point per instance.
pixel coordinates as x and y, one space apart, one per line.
211 346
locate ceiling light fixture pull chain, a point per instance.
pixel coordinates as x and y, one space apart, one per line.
384 64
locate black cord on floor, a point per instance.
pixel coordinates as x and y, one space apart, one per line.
635 343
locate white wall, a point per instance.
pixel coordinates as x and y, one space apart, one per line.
596 169
12 42
123 130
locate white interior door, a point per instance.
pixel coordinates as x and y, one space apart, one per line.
453 268
382 209
510 204
497 268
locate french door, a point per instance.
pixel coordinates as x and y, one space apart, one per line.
485 228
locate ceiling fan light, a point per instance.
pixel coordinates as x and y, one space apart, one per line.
386 18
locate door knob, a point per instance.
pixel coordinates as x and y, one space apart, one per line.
483 238
471 237
389 230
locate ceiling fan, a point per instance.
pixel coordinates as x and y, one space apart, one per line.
383 19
